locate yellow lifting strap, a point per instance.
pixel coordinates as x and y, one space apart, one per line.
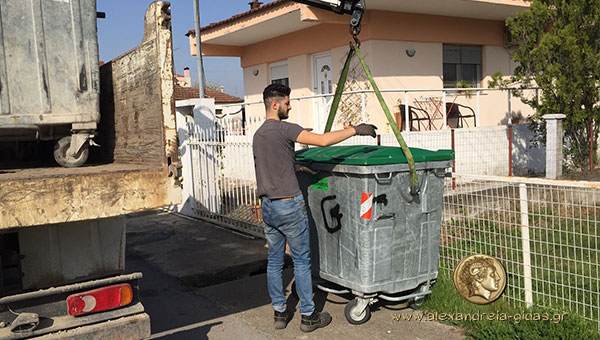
354 50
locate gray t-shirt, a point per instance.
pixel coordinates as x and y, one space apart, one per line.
273 148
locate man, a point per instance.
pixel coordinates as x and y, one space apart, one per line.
283 207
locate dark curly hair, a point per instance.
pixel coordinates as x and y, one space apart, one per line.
275 91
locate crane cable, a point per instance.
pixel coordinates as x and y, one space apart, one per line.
354 50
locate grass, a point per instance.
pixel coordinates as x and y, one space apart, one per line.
523 323
564 240
564 257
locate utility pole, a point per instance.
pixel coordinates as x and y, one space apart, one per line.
199 48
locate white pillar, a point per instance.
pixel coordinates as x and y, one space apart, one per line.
526 246
198 172
181 114
554 144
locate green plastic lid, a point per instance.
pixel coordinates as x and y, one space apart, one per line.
369 155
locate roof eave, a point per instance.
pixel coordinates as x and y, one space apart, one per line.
261 24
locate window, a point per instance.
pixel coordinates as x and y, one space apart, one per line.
462 63
279 74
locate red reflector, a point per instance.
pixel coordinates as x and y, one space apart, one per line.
99 299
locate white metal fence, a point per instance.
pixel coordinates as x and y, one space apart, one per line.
479 149
545 232
483 150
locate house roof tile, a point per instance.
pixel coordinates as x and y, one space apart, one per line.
182 93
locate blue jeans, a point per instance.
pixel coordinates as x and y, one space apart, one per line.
286 220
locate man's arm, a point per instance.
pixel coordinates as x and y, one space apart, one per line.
326 139
333 137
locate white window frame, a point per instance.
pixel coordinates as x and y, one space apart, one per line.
459 76
279 65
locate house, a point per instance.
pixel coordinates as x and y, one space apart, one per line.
221 98
183 80
223 101
184 90
428 45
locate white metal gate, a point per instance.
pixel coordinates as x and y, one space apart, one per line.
217 157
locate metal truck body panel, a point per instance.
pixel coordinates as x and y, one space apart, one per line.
48 64
53 251
137 135
62 230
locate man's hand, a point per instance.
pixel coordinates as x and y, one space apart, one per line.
365 130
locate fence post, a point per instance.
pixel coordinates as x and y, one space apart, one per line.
510 138
477 122
444 110
509 114
591 146
406 117
363 109
554 137
453 146
525 245
299 113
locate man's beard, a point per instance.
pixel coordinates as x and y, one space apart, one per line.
282 113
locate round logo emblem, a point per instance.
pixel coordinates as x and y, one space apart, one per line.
479 279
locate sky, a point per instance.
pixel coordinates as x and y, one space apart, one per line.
123 28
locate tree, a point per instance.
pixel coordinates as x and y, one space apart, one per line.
208 86
558 50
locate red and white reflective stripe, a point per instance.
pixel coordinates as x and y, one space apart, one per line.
366 206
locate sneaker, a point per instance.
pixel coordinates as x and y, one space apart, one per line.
282 319
315 320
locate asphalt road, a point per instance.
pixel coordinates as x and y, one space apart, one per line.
202 282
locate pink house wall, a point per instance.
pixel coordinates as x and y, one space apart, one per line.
380 25
385 38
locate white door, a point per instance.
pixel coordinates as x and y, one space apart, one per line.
322 84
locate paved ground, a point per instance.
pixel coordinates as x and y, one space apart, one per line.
202 282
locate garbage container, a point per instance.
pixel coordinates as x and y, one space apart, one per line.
49 75
369 235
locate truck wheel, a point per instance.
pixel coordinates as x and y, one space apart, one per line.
61 157
352 314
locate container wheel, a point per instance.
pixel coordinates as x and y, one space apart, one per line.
417 302
68 161
354 316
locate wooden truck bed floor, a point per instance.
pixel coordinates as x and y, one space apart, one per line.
30 197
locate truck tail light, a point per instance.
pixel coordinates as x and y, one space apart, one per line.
100 299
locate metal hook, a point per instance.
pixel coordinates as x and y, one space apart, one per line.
354 32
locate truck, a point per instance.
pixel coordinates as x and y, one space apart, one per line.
62 229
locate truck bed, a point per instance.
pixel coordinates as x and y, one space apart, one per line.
137 135
39 196
56 171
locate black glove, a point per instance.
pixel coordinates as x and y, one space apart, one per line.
365 130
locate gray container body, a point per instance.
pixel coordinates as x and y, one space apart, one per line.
397 248
49 73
